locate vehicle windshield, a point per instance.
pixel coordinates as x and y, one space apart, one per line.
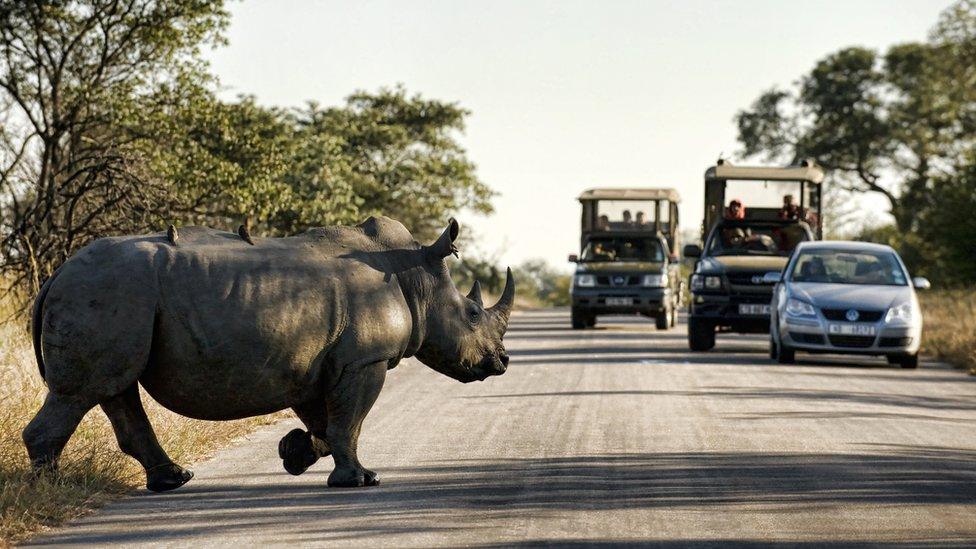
623 249
849 267
745 239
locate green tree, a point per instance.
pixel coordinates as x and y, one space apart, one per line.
71 73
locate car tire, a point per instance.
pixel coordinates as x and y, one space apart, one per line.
590 321
785 354
701 336
578 319
663 320
908 361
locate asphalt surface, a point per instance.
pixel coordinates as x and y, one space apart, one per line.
617 435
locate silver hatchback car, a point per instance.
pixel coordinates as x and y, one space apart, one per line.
845 297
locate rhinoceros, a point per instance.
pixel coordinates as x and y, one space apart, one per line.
216 328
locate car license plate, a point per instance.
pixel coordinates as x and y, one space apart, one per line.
620 301
852 329
753 309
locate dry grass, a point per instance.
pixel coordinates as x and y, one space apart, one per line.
950 326
92 470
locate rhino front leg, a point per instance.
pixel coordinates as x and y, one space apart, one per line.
348 403
300 449
137 438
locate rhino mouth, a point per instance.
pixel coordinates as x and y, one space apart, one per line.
490 365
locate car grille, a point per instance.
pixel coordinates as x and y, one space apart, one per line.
745 278
618 280
895 342
851 341
863 315
813 339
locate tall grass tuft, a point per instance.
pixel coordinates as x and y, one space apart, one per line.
92 469
950 326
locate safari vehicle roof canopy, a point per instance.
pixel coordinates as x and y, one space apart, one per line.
762 191
629 194
638 211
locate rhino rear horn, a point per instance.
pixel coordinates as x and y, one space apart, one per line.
504 306
475 294
444 246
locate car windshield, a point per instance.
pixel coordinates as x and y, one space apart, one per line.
745 239
849 267
623 249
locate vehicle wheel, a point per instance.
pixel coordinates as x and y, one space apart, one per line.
909 361
893 359
701 336
590 321
663 320
578 319
784 354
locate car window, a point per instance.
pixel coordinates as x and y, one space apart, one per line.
756 240
849 267
623 249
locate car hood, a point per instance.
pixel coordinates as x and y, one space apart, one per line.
620 267
851 296
738 263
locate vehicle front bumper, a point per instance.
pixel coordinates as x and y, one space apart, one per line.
813 335
644 300
722 310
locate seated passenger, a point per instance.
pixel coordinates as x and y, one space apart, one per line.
814 271
603 224
735 211
790 209
628 221
639 220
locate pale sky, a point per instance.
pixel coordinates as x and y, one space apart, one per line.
564 95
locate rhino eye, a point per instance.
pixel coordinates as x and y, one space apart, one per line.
474 313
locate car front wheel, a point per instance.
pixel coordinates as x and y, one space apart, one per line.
701 336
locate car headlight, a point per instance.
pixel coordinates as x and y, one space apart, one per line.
795 307
585 281
699 282
655 281
901 313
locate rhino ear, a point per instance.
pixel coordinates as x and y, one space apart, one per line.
475 294
444 246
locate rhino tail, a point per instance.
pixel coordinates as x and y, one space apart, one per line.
36 321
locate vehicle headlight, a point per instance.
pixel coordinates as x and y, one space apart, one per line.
713 282
795 307
585 281
655 281
901 313
697 282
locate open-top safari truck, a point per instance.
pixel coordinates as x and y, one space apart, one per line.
627 262
754 217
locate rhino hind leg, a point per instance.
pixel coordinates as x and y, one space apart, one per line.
47 434
136 438
349 403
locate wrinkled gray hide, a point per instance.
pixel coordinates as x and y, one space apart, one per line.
216 328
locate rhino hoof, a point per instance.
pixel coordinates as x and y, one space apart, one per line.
167 477
352 479
296 451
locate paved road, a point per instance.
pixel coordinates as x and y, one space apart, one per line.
614 435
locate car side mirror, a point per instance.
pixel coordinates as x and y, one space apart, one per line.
692 250
921 283
773 277
573 258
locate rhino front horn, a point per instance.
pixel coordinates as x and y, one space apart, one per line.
504 305
475 294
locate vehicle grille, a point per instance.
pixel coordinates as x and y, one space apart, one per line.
851 341
895 342
618 280
813 339
863 315
745 278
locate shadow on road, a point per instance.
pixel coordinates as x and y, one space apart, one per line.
507 488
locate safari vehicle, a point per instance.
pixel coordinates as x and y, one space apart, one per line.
779 208
627 264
